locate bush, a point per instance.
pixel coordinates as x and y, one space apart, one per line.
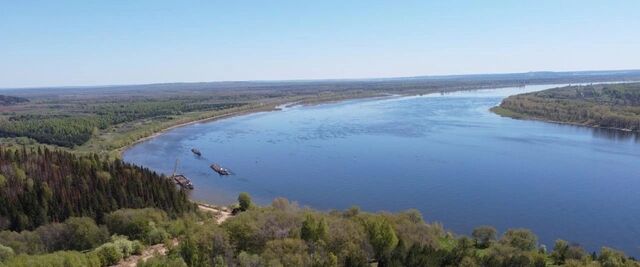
245 201
286 252
249 260
522 239
137 248
137 224
162 261
484 235
5 253
84 233
124 246
156 236
109 254
57 259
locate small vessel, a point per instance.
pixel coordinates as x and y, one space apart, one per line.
219 169
197 152
180 179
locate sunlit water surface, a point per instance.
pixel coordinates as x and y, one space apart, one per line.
445 155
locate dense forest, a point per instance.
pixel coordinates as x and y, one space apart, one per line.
80 122
604 105
39 186
10 100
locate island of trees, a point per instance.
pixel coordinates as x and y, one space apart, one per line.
615 106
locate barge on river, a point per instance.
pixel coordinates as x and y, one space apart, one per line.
180 179
219 169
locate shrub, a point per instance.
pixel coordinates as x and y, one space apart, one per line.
162 261
137 247
245 201
484 235
156 236
109 254
5 253
57 259
137 224
522 239
84 233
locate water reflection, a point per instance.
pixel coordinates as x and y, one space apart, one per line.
616 135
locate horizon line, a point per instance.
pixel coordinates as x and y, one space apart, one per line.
306 79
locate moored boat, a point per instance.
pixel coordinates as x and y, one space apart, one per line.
219 169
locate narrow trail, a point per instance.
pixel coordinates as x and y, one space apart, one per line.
221 215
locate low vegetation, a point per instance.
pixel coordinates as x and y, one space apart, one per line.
615 106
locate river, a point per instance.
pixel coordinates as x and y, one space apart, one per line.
446 155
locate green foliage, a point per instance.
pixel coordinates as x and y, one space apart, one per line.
162 261
382 236
605 105
6 253
286 252
613 258
62 185
57 259
522 239
85 233
314 229
274 237
73 234
138 224
484 235
249 260
77 125
563 252
109 254
245 201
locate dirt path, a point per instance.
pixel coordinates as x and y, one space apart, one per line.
222 214
149 252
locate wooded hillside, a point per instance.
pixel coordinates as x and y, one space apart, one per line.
42 186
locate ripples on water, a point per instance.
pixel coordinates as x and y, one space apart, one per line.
446 155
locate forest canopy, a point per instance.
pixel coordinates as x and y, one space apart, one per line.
41 186
614 106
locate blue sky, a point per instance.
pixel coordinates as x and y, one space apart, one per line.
87 42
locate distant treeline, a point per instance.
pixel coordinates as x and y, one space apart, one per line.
10 100
603 105
42 186
70 127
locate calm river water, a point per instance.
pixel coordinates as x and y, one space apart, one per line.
445 155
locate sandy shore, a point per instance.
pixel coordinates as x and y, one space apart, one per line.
267 108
